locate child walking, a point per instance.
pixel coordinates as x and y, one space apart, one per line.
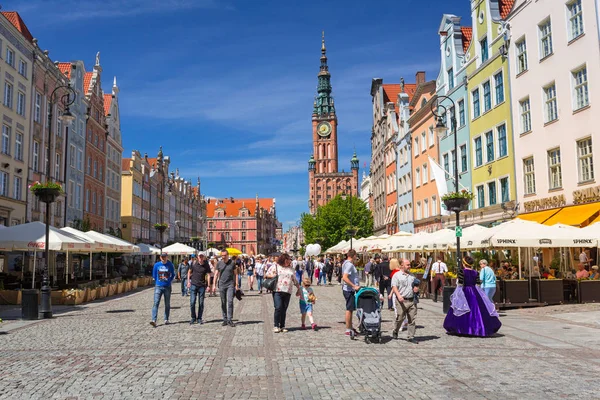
307 300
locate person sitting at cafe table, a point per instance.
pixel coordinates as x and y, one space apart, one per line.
581 272
536 272
595 274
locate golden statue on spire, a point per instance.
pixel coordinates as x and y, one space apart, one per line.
323 42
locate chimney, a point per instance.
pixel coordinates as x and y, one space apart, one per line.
420 77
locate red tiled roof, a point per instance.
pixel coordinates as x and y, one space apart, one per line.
107 103
65 68
232 209
87 78
392 90
125 163
505 7
14 18
467 36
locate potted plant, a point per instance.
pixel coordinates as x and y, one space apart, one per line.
588 290
47 192
161 227
457 201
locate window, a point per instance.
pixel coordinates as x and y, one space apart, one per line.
504 190
525 115
94 202
554 169
419 210
37 115
17 188
450 79
425 174
454 162
79 159
585 160
72 154
243 235
476 110
89 165
21 103
3 184
8 95
431 136
101 172
480 197
59 125
529 175
489 146
487 96
417 149
95 169
463 158
57 167
36 156
483 44
243 224
575 19
434 205
545 29
478 152
499 87
580 87
452 120
461 113
226 224
550 99
423 142
521 47
426 208
19 146
71 193
78 197
418 174
10 57
5 139
23 68
502 143
492 192
446 163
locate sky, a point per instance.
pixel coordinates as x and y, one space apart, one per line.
227 87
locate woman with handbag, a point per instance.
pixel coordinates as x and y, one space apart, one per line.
280 279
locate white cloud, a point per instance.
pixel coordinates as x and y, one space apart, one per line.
232 165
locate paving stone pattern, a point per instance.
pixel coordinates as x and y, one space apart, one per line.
108 350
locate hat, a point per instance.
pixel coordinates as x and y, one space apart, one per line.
385 258
595 267
163 254
201 255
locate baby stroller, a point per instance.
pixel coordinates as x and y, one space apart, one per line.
368 312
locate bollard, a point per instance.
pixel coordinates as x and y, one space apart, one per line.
29 303
448 290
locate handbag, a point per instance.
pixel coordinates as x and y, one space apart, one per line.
271 283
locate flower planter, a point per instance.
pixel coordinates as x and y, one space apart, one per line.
73 297
112 289
103 292
12 297
56 297
134 284
129 285
516 291
499 295
91 294
457 204
550 291
98 292
588 291
47 195
121 286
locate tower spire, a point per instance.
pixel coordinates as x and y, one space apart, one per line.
323 105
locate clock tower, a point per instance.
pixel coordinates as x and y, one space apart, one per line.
325 182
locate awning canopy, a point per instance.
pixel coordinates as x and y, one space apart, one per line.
32 236
539 216
519 233
580 215
179 249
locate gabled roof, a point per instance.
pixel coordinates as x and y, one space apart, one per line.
107 103
467 36
87 79
65 68
14 18
505 7
125 164
392 90
232 208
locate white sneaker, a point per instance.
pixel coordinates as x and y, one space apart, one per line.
276 330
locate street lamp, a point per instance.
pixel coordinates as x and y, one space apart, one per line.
350 231
66 100
441 129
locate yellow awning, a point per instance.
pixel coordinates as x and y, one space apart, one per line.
579 216
539 216
596 220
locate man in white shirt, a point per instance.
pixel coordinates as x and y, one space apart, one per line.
438 279
404 290
584 259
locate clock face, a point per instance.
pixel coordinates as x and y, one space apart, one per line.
324 129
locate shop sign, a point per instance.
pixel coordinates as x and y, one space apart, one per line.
586 195
545 203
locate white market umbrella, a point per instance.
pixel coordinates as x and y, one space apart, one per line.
379 242
147 250
473 237
179 249
332 249
521 233
439 240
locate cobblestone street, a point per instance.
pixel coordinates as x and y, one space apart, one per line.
109 350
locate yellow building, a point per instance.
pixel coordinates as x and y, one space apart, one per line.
132 177
491 130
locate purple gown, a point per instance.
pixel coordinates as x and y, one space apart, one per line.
471 312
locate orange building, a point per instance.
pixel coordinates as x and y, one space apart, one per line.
426 202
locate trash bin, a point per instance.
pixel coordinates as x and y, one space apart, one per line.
448 290
29 303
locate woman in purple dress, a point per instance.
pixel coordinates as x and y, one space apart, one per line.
471 313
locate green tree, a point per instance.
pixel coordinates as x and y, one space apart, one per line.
331 222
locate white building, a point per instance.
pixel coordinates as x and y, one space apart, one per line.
555 72
365 188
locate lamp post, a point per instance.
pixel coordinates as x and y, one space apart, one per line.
350 231
441 129
66 100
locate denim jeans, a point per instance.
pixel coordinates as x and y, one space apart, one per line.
299 276
368 279
197 292
281 301
227 294
259 281
323 277
183 286
240 280
383 285
490 291
159 291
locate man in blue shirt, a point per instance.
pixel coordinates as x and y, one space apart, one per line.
163 274
488 279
